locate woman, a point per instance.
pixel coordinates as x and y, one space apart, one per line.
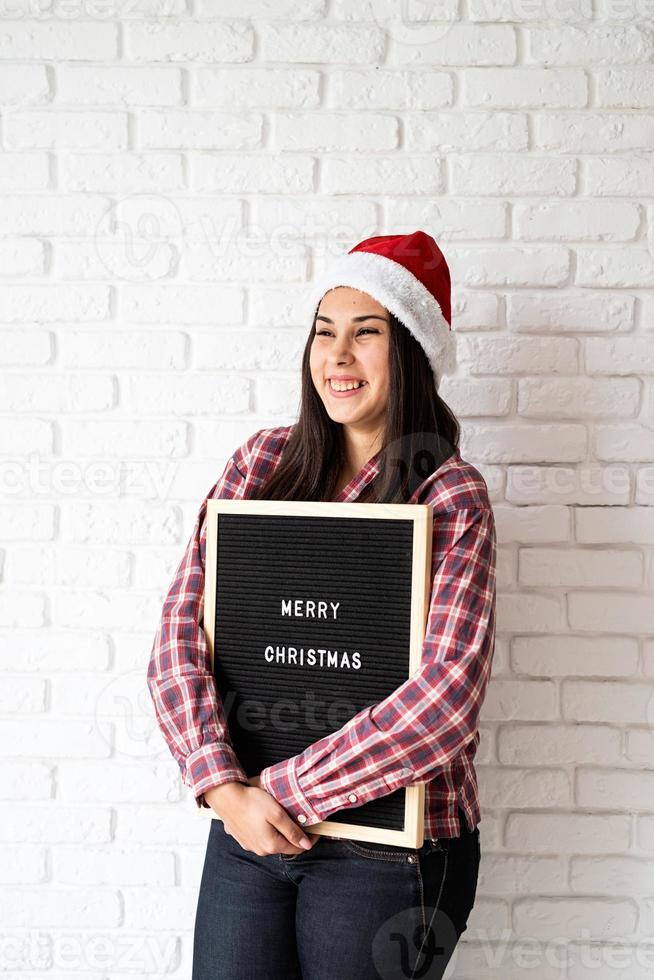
275 900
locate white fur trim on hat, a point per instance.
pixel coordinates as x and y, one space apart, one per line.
392 285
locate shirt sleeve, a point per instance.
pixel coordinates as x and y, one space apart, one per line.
187 705
423 724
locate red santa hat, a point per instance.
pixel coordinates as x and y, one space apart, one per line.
408 275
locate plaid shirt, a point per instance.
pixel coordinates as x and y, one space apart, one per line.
425 731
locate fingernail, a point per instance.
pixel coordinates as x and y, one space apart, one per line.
305 842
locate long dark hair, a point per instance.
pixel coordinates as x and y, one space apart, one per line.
421 432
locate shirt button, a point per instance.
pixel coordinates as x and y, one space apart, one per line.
301 817
352 798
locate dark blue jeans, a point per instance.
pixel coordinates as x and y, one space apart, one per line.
345 910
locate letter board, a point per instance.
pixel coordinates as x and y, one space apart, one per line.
312 612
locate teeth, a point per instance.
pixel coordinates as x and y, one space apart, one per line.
345 385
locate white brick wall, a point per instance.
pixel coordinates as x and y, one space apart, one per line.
173 171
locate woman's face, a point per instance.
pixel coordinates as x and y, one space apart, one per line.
352 340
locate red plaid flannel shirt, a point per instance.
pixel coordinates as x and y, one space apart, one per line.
425 731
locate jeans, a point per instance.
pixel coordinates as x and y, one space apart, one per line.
345 910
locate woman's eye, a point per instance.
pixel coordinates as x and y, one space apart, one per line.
319 333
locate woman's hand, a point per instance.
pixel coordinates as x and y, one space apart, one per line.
256 820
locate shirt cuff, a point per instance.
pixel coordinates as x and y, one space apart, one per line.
212 765
280 780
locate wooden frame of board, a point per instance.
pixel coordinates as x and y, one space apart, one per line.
421 516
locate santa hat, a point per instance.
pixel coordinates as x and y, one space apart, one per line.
408 275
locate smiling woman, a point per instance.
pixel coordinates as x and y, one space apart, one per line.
275 900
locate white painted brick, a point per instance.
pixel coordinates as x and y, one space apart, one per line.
510 266
606 44
117 782
382 175
632 443
54 823
645 832
57 907
516 788
113 259
70 566
29 737
311 43
56 650
547 745
619 355
627 266
255 173
568 833
31 435
520 699
52 303
589 484
124 522
580 398
626 88
361 88
175 825
531 613
590 132
189 41
171 908
273 88
516 88
572 918
66 130
482 398
149 173
621 525
501 10
140 440
23 85
452 220
52 214
38 392
185 129
22 257
580 656
24 171
640 743
569 310
245 260
155 349
263 9
190 394
23 780
607 701
464 131
181 303
249 350
22 866
315 218
99 866
513 175
580 220
182 219
520 444
453 44
511 874
22 695
506 354
66 40
626 176
614 789
334 132
118 85
533 524
609 613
